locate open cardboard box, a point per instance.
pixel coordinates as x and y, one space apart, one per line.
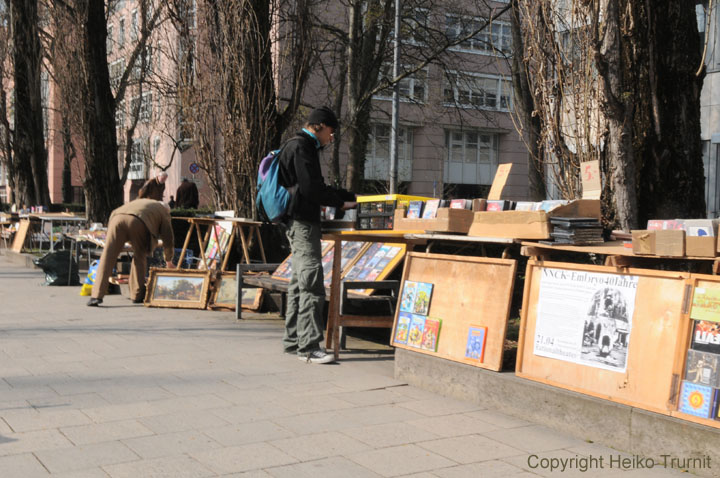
446 220
661 242
529 224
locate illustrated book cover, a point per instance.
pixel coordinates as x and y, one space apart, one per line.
407 299
415 209
496 205
460 204
417 327
431 334
422 298
403 326
696 400
431 207
706 336
703 368
476 343
706 304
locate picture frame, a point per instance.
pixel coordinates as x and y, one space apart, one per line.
284 270
224 292
375 263
177 288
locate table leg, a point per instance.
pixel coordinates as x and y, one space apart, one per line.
185 245
243 241
262 249
203 244
333 333
228 248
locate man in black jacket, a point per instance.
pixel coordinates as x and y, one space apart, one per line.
300 172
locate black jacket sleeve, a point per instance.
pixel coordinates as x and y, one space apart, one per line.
300 166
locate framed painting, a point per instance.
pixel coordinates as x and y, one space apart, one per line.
284 270
224 293
375 263
181 288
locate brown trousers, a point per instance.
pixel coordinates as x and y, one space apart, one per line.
121 229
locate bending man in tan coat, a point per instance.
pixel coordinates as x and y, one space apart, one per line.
141 222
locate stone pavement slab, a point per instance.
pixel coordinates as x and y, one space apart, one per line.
124 390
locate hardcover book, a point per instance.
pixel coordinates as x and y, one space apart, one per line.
706 336
407 299
417 327
696 400
403 326
422 298
703 368
475 348
431 208
706 304
524 206
414 210
495 206
459 204
431 334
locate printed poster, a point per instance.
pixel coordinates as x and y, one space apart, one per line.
585 317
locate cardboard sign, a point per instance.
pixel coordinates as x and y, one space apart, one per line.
501 177
590 175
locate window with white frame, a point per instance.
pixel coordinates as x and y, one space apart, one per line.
494 38
477 90
109 42
156 147
121 33
116 70
120 116
137 160
134 27
472 157
145 113
412 88
138 65
415 24
377 158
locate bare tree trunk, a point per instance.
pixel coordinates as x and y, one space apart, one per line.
670 174
536 177
102 180
619 110
30 156
335 176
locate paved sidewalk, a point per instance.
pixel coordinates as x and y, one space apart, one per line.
127 391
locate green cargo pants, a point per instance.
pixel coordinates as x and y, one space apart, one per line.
306 292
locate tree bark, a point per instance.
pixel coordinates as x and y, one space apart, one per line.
103 191
30 157
670 173
536 174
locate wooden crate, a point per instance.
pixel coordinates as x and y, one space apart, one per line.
447 220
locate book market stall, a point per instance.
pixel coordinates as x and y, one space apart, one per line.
455 307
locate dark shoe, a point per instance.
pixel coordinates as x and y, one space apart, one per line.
94 302
139 300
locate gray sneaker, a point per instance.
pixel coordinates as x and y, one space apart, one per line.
316 356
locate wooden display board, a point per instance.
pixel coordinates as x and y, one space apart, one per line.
466 292
655 343
685 337
21 235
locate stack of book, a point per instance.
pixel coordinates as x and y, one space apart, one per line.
577 231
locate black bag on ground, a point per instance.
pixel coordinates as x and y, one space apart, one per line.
58 267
